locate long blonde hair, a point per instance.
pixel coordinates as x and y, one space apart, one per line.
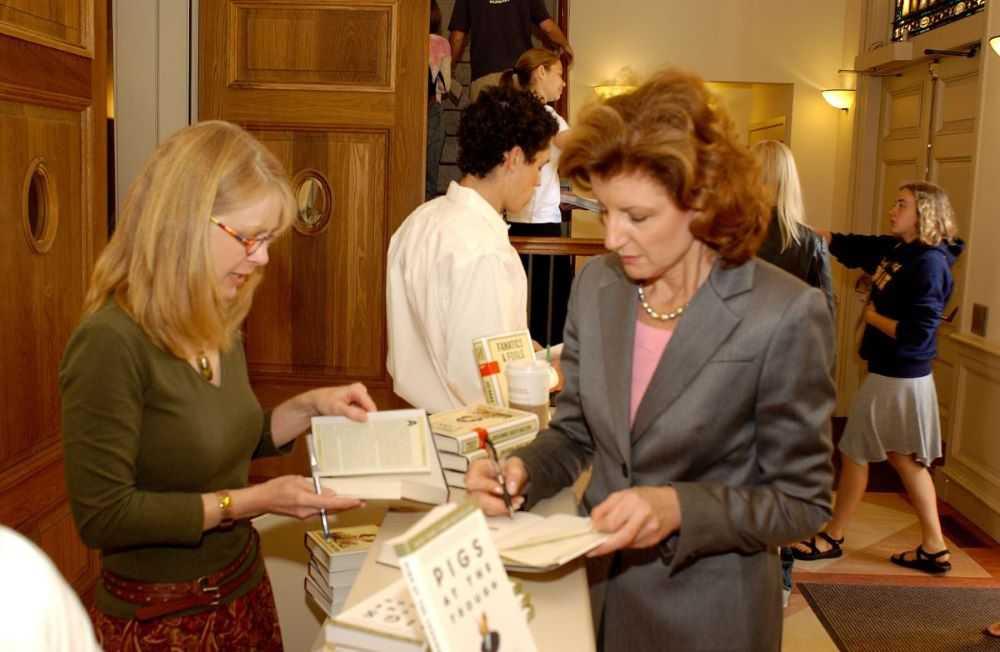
781 179
935 216
158 265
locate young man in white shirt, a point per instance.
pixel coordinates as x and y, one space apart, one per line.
453 275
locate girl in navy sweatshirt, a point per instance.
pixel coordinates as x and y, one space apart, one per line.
894 415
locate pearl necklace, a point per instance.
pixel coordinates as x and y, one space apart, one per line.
204 367
673 314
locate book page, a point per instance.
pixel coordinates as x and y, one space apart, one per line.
390 613
547 542
389 442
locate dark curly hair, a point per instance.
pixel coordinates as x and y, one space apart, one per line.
499 120
671 129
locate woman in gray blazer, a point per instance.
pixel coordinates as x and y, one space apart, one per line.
697 384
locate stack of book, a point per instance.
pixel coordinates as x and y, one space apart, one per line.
334 563
460 435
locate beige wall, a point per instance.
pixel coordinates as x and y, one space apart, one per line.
983 275
733 41
152 66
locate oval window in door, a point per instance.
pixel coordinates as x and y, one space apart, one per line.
314 200
40 216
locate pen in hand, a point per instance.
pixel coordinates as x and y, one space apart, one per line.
314 468
507 500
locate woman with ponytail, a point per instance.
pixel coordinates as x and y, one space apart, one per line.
541 72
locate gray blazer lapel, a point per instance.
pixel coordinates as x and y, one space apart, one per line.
617 334
707 323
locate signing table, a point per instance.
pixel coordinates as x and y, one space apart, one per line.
561 599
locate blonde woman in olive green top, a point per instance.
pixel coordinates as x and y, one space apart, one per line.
159 420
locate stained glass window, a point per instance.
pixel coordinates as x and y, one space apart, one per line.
917 16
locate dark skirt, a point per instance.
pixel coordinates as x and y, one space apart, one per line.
249 622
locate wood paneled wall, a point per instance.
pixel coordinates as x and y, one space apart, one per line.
52 224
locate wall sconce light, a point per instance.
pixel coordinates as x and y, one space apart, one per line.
606 91
624 81
839 98
995 43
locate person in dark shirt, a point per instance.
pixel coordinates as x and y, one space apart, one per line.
894 415
789 243
501 31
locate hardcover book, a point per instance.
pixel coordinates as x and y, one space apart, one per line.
461 462
396 452
492 354
346 548
462 431
463 597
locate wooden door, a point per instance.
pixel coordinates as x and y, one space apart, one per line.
951 151
337 89
928 132
905 115
53 208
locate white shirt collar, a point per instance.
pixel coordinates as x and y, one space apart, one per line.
469 198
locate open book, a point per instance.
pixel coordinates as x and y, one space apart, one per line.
391 458
528 543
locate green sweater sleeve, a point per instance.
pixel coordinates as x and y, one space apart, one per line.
102 381
266 447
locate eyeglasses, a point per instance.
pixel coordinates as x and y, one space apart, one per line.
251 245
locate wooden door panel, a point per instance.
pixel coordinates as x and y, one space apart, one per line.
47 288
66 24
951 166
293 46
336 274
52 120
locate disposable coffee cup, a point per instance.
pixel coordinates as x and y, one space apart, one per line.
528 387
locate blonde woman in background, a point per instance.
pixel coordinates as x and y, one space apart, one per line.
159 420
541 72
790 244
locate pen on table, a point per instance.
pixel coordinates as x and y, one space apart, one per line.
507 500
314 467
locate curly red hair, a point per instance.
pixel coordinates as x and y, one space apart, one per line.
672 130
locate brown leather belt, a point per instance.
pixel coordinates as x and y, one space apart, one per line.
158 599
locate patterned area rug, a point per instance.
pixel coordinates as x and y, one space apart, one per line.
905 618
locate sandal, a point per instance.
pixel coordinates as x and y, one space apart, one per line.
923 561
815 553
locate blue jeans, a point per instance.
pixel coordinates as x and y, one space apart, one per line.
787 561
435 144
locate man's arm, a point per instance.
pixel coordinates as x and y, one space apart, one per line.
556 35
457 40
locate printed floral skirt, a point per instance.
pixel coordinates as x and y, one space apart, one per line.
247 623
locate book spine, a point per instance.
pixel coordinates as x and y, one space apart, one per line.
317 550
489 374
470 442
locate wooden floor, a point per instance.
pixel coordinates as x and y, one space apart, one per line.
885 525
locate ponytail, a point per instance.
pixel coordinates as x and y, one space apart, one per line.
508 79
519 76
